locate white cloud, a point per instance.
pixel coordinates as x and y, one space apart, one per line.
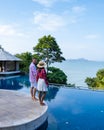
74 14
91 36
46 3
48 22
9 30
78 9
6 30
49 3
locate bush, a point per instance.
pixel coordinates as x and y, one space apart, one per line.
98 81
55 75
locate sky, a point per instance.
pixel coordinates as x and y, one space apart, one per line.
77 26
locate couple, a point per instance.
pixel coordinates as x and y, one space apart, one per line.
38 80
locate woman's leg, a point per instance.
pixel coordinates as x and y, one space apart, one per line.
39 95
43 97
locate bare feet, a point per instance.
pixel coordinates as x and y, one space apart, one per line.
34 99
42 104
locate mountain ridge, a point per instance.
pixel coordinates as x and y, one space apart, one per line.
83 60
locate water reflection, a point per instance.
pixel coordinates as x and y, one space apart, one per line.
52 92
11 83
24 81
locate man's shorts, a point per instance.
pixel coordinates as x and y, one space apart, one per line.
33 84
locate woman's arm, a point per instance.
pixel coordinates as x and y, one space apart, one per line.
45 76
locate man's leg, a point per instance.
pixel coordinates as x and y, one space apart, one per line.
31 92
34 93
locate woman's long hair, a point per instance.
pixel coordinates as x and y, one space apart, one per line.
39 69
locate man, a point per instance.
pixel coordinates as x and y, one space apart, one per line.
32 78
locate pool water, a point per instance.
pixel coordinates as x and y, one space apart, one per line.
69 108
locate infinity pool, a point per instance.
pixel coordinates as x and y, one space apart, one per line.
69 109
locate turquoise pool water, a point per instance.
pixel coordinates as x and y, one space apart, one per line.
69 109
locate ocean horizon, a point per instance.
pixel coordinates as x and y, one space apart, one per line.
77 70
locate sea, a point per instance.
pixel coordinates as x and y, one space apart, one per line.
77 70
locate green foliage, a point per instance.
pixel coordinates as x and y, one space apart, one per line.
26 60
96 82
55 75
91 82
100 74
48 49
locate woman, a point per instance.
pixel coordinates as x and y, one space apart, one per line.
42 82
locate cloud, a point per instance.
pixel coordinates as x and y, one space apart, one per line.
9 30
78 9
6 30
91 36
75 14
46 3
48 21
52 22
49 3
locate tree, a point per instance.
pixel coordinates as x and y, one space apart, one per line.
91 82
96 82
55 75
48 50
26 60
100 74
